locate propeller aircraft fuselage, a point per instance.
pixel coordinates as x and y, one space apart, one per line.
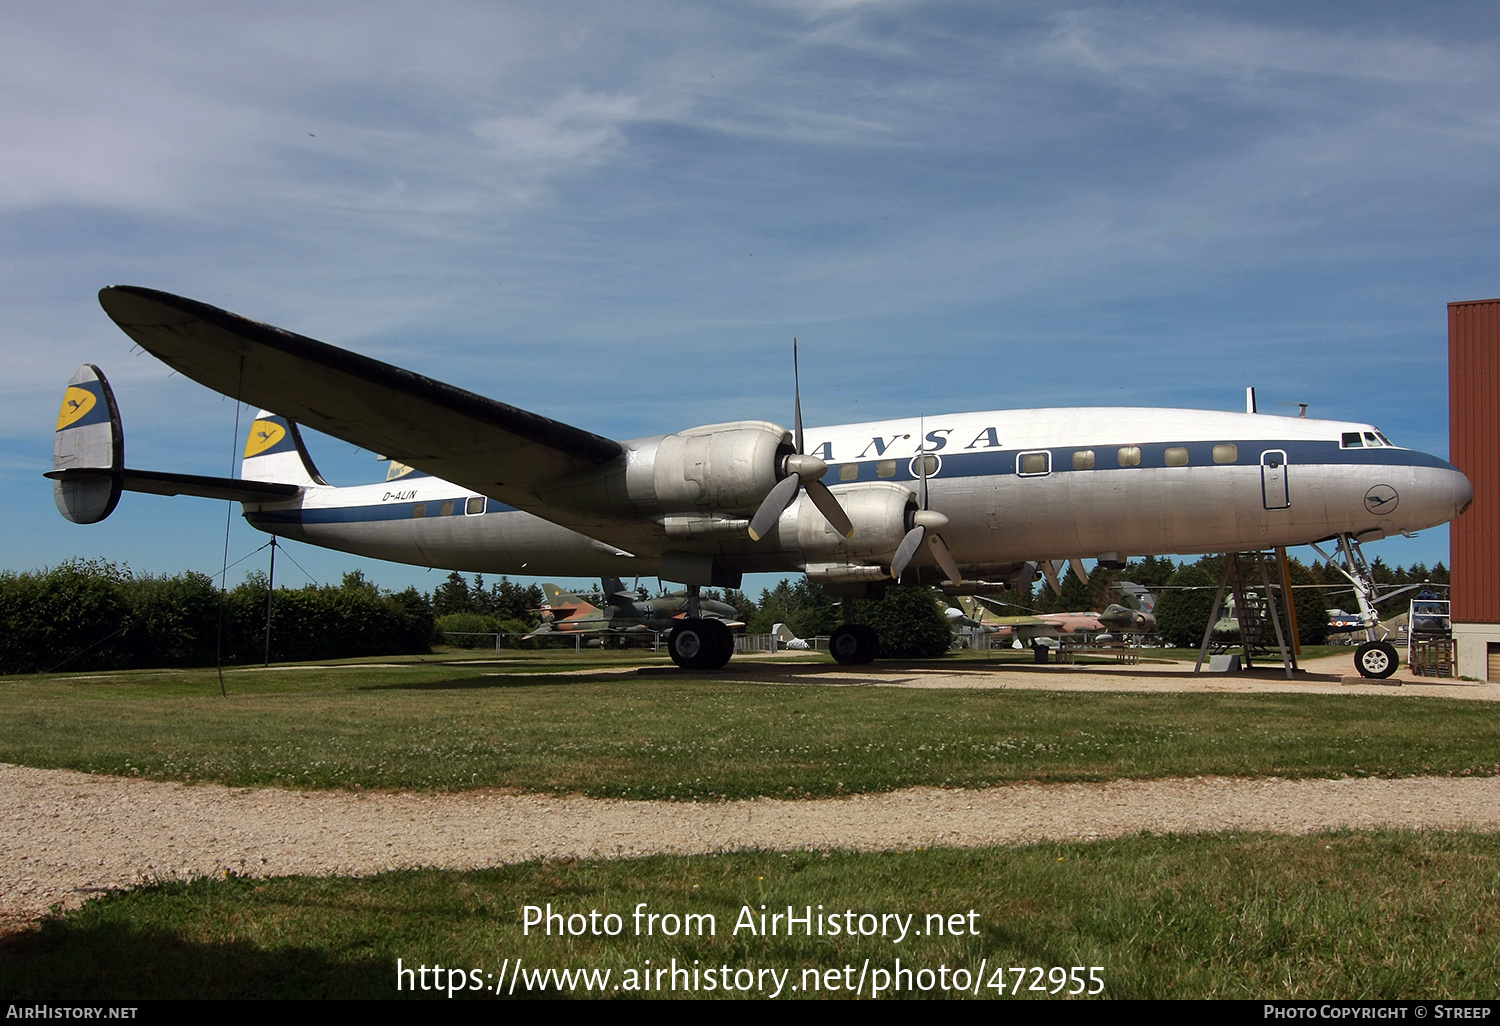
481 486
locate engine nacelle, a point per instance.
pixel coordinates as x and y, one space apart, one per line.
879 510
716 468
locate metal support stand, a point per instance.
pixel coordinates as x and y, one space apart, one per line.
1252 610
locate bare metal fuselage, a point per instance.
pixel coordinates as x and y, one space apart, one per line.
1015 486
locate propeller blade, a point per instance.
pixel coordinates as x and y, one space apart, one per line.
907 549
797 401
944 558
773 505
922 463
822 498
1049 571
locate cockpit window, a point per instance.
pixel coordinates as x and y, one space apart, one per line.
1371 440
1386 440
1352 441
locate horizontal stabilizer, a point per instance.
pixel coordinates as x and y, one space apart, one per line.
158 482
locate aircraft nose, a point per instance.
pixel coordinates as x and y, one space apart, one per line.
1463 490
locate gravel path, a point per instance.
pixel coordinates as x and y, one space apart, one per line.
65 836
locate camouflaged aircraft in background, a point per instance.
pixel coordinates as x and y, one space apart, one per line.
623 612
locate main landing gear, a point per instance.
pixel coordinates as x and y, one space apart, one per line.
698 642
854 644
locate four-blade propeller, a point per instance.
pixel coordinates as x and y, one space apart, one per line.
925 525
804 473
801 473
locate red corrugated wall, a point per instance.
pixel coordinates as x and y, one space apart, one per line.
1474 448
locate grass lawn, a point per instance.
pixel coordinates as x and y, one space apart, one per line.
441 724
1366 915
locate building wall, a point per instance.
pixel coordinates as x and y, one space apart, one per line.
1474 448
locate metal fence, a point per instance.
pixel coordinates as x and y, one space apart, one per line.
656 641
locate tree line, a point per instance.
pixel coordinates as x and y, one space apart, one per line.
92 614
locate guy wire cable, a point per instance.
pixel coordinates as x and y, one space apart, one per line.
228 516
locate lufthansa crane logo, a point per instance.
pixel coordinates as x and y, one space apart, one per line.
264 434
77 402
1381 500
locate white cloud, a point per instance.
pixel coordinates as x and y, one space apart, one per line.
578 129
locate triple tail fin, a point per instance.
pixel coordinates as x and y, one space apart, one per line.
274 451
88 459
88 450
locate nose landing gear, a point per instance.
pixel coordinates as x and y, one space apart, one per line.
1376 659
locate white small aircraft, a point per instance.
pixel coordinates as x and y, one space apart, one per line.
482 486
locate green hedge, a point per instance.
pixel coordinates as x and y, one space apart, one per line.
91 615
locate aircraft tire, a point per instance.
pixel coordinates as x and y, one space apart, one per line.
854 644
699 643
687 644
722 643
1376 660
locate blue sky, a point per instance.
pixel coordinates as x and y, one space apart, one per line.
619 215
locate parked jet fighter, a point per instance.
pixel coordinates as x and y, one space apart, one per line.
854 506
623 611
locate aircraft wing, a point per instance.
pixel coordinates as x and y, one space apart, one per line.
1019 621
489 446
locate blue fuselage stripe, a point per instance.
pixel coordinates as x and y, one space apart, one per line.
1002 462
369 513
991 463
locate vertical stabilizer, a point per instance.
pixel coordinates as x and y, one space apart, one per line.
274 452
90 447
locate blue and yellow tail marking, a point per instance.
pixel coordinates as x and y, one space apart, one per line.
83 404
268 436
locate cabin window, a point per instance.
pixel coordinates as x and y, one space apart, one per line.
474 505
419 510
1034 464
1228 452
1351 440
1083 459
446 510
1176 456
1129 455
849 472
885 468
924 465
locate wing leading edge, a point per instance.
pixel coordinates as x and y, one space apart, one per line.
449 432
